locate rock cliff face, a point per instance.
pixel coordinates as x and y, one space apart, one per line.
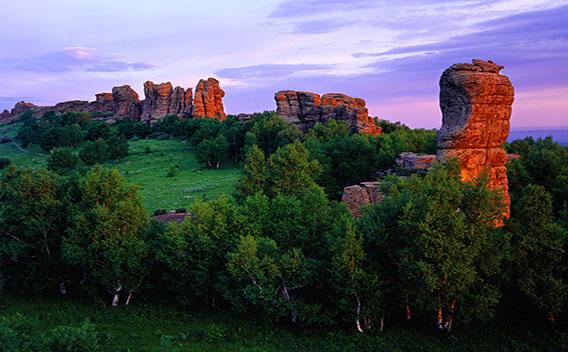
305 109
160 100
208 100
476 101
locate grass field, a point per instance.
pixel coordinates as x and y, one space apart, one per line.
152 328
147 166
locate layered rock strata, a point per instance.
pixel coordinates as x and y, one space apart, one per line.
305 109
476 103
358 196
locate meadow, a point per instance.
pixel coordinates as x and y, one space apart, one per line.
147 166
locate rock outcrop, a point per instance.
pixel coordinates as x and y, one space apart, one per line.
160 100
208 100
126 103
305 109
414 161
358 196
476 101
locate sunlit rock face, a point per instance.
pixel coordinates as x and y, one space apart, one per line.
305 109
476 102
208 100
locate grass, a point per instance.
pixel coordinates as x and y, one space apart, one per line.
142 327
147 166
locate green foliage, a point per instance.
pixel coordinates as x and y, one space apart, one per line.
4 162
432 239
84 338
17 333
290 171
63 161
213 151
172 172
94 152
254 173
117 147
32 220
104 239
539 251
272 132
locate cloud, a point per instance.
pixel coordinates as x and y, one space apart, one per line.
305 8
9 102
271 71
72 59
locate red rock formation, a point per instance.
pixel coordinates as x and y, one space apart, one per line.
208 100
5 117
476 105
305 109
126 102
22 107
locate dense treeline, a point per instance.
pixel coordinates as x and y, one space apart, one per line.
281 246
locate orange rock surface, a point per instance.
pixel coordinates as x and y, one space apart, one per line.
208 100
476 101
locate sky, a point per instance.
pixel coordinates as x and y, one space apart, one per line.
389 52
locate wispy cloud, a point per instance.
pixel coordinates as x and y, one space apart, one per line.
271 71
72 59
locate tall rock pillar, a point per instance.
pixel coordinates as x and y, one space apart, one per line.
476 105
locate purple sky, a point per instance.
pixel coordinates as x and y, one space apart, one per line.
390 52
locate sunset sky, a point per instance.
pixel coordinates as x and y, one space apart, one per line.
391 53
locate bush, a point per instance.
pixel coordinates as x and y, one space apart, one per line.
94 152
5 139
16 333
5 162
84 338
63 160
117 147
172 172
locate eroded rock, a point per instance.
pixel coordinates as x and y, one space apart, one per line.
476 102
305 109
208 100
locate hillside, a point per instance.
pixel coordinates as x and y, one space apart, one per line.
147 166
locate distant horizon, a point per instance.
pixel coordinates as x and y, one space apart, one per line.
389 53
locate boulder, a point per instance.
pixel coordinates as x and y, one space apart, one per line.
476 103
305 109
208 100
358 196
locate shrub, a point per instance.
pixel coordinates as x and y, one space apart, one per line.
94 152
63 160
84 338
16 333
5 162
5 139
172 172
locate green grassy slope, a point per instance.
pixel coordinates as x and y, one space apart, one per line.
141 327
192 180
148 170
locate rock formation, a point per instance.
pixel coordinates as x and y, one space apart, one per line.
126 103
160 100
476 100
358 196
208 100
414 161
305 109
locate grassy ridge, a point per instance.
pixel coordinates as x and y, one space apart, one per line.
148 170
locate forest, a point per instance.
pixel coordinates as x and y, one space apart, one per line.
280 248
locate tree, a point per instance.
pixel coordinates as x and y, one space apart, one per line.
433 241
538 245
33 217
272 132
64 161
290 171
213 151
105 238
94 152
117 147
359 289
254 174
